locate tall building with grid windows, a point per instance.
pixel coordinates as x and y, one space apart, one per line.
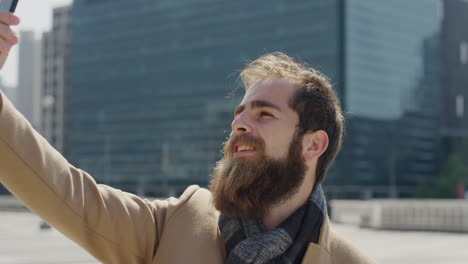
454 74
55 71
391 83
149 79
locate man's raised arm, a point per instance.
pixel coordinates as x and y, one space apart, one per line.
114 226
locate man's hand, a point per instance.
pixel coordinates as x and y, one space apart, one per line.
8 38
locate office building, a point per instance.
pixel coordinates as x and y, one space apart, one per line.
149 79
55 61
455 73
391 82
29 80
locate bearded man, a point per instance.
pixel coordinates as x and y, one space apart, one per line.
266 203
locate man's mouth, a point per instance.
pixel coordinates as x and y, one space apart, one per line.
242 149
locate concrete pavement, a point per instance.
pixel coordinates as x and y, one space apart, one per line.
22 242
403 247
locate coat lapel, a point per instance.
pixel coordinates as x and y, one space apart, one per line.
319 253
191 234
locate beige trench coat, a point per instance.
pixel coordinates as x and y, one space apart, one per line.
118 227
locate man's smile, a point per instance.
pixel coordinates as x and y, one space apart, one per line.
243 149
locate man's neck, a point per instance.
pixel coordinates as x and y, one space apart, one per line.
276 215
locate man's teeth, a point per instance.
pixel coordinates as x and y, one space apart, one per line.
244 148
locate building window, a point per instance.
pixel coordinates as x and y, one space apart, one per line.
459 105
463 52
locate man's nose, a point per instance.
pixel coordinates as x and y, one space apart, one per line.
240 125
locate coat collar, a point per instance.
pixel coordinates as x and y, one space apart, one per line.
319 253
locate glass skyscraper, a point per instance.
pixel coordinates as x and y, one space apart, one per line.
149 79
391 83
148 106
454 74
55 51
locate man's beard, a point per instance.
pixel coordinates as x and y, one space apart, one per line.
246 187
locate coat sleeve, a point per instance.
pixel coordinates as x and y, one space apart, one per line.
113 226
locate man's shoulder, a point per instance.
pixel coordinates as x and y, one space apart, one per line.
193 205
195 193
191 216
190 226
343 251
194 201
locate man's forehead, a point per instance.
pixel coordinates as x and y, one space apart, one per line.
271 89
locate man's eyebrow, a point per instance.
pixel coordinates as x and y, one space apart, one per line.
257 104
239 110
262 103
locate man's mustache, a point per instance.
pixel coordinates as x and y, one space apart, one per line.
250 140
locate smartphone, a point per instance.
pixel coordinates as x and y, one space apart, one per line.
8 5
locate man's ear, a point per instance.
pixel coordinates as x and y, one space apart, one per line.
314 144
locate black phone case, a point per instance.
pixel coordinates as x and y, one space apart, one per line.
13 6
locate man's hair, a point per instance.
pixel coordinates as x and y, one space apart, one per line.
315 101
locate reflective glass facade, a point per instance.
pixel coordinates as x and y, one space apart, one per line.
384 58
392 78
55 51
149 80
148 106
455 72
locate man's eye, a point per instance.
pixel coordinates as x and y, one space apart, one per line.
265 114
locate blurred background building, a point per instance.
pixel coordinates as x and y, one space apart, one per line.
29 79
391 84
55 62
149 80
454 73
147 100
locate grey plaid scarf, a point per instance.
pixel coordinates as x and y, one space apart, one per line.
248 241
